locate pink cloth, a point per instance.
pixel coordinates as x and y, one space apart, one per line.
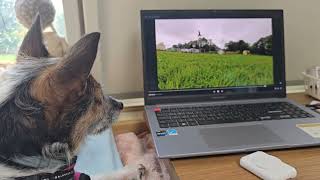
139 149
77 175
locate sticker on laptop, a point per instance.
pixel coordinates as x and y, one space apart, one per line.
172 132
161 133
168 132
313 129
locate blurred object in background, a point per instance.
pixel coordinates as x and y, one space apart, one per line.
12 32
27 10
312 81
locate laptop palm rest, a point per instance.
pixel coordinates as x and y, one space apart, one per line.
240 137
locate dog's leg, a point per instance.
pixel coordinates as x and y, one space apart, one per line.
130 172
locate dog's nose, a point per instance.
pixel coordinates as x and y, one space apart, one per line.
116 103
120 105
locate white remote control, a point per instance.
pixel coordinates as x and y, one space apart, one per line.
267 167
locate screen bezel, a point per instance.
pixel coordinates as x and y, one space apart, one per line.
154 96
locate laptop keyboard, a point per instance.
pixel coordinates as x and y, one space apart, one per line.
218 114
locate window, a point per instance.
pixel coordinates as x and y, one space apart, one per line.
59 22
12 32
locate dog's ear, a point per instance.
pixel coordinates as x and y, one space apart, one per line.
66 81
74 69
32 44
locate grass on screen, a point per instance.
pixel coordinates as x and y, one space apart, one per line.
177 70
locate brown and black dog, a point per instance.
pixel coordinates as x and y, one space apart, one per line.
49 105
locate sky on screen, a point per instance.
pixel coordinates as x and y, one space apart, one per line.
221 31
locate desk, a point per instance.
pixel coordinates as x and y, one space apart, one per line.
226 167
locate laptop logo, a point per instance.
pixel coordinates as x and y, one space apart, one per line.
172 132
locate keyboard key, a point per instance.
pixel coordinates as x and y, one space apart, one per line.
172 121
157 109
181 120
205 122
163 121
285 116
192 123
174 124
164 125
265 117
275 117
182 124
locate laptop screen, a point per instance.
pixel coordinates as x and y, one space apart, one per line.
212 54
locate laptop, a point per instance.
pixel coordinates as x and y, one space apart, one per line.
214 83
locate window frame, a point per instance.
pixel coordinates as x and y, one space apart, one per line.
81 17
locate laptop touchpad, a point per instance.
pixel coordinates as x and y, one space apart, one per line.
239 136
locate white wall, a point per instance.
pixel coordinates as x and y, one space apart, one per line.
121 46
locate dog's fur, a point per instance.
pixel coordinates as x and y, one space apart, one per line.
49 105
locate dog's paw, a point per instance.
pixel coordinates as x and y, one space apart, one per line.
141 171
129 172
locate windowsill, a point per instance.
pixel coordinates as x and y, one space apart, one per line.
132 103
6 63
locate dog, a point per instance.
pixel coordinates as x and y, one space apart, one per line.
48 105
